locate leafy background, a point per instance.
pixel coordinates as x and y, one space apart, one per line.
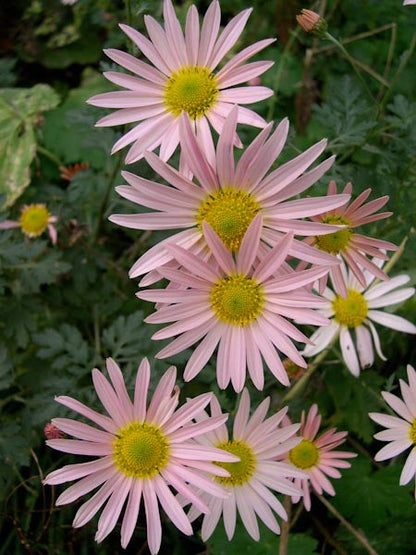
64 309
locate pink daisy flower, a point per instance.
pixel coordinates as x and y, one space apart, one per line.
33 221
182 78
257 442
239 307
317 457
357 311
399 432
141 453
353 248
229 195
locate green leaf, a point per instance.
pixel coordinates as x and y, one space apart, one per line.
380 497
19 111
354 399
65 348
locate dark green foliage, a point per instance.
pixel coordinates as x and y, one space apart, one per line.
65 308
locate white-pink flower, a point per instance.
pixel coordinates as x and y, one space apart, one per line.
182 77
240 306
356 312
400 432
317 457
34 220
140 453
228 195
257 441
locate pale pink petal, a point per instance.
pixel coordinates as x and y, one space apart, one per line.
112 510
131 513
87 484
209 33
146 46
154 527
228 38
171 506
244 95
82 431
88 510
104 421
192 35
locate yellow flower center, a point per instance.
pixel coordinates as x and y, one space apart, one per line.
141 450
350 311
334 242
191 89
305 455
412 432
34 220
237 299
229 212
242 471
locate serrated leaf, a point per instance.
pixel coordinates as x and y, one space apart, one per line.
65 348
128 338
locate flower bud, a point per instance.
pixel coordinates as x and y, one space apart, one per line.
311 22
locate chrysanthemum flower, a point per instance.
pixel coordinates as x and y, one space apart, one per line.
141 453
182 78
252 481
400 432
352 247
230 195
357 311
317 457
238 306
33 221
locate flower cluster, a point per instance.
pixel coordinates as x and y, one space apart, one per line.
246 264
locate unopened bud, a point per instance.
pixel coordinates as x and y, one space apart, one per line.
311 22
52 432
293 370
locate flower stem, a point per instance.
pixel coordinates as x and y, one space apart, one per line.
301 383
129 13
284 536
351 60
48 154
403 63
360 537
279 73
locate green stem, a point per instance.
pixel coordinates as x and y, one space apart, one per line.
279 73
107 193
48 154
129 13
351 60
284 536
301 383
403 63
360 537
